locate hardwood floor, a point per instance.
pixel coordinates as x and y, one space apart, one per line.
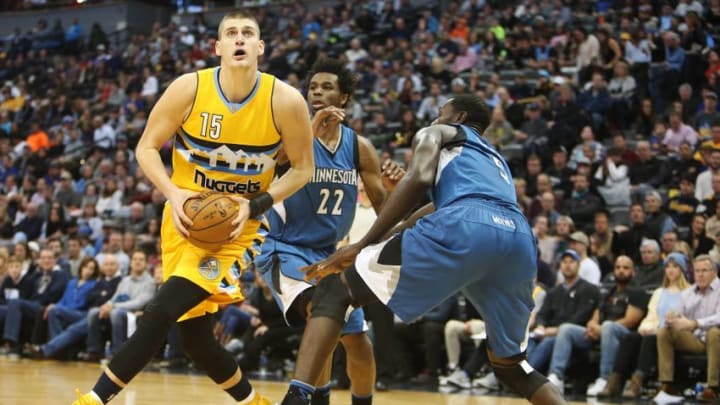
29 382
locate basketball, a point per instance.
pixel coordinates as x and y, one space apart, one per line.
212 215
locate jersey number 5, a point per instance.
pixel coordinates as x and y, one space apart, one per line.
215 121
325 196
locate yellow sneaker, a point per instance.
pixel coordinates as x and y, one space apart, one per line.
260 400
87 399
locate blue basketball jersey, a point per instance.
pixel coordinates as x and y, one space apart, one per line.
469 167
320 214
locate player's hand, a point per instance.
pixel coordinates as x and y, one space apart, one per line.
335 263
243 214
392 173
326 118
177 202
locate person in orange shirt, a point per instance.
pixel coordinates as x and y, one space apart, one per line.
38 138
461 30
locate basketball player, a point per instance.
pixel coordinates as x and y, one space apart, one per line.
227 124
476 241
306 227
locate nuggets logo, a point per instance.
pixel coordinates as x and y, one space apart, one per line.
247 187
209 268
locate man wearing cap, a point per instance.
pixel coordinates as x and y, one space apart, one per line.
572 301
588 270
619 312
694 328
704 119
533 132
657 220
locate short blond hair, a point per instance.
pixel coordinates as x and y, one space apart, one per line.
237 15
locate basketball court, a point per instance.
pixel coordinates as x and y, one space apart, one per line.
30 382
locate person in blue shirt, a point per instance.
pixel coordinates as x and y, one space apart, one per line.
472 238
72 305
306 227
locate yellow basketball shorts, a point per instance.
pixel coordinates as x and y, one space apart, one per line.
216 272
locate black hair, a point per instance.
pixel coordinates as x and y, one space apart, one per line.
478 115
346 79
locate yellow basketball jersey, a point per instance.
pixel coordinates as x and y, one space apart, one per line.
227 147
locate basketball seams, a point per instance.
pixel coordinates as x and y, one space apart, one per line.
212 198
213 225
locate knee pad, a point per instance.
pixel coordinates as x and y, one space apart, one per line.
518 375
331 299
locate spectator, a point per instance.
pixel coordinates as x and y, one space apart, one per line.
546 243
684 166
613 178
712 224
677 133
103 290
637 353
703 184
699 243
648 172
603 237
657 220
619 312
570 302
500 132
70 308
707 117
596 101
682 206
648 276
48 285
133 293
693 328
582 204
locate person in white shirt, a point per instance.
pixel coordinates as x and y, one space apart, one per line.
589 270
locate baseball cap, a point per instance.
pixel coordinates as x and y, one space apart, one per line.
533 106
34 246
580 237
711 94
572 254
19 237
65 175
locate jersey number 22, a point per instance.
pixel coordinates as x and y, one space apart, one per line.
325 196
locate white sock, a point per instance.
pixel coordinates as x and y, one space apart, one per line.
96 396
249 398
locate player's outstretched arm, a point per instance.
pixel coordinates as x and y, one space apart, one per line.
407 195
293 121
165 118
410 191
370 173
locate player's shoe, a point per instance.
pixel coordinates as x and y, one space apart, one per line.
260 400
87 399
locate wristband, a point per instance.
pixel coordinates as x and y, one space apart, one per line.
260 203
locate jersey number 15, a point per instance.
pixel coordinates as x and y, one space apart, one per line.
325 196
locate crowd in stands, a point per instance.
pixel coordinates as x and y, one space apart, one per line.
607 112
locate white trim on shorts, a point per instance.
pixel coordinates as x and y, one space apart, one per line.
382 279
291 290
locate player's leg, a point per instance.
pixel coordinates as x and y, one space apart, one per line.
360 366
199 343
175 297
504 299
330 304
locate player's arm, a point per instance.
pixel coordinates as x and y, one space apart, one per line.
291 118
164 120
426 209
370 173
410 191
